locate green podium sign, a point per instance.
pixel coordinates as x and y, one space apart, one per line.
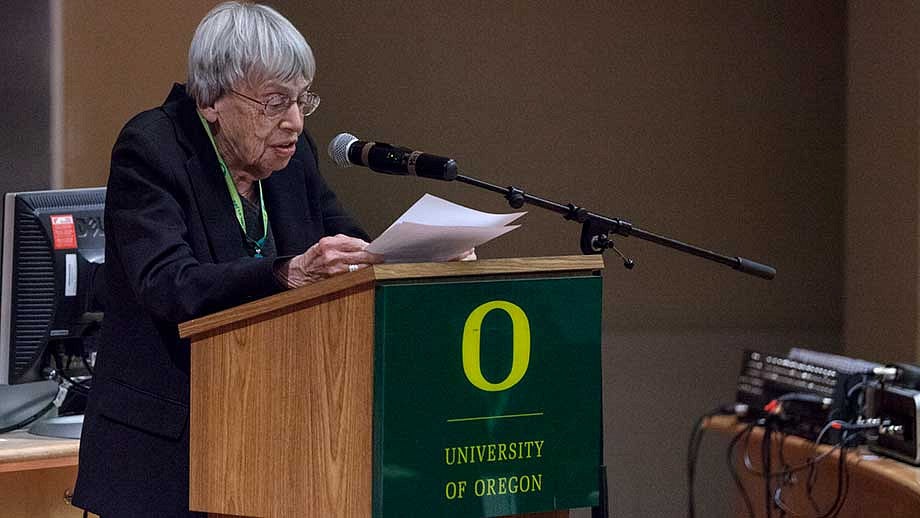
487 396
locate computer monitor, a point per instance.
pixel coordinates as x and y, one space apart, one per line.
50 262
53 245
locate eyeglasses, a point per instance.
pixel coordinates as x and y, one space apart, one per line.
277 104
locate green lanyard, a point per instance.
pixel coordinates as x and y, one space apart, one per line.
235 196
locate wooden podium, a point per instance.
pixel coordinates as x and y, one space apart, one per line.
295 409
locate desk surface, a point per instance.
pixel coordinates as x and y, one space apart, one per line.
876 483
21 451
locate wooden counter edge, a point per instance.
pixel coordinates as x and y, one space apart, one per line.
384 272
21 451
41 463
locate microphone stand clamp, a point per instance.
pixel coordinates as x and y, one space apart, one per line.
515 197
595 238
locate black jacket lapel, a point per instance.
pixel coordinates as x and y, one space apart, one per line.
288 209
216 209
207 180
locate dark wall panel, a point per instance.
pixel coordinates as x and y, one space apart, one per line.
25 141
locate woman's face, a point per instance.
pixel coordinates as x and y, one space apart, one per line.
253 144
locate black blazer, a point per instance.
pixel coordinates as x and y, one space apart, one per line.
174 252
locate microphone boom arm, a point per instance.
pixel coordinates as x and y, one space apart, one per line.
596 229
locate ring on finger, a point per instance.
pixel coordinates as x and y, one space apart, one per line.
352 267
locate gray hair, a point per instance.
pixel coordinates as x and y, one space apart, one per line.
236 42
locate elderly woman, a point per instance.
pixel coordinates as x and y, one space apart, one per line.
214 199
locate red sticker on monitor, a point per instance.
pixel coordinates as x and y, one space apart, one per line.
63 232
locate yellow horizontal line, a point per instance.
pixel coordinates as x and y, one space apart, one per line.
490 417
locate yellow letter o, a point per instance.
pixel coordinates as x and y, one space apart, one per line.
520 358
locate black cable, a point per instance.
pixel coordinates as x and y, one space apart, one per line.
734 473
794 469
843 479
810 481
837 504
696 438
78 386
842 484
766 461
31 419
785 479
89 368
774 498
841 472
840 496
693 448
785 475
789 480
854 388
812 477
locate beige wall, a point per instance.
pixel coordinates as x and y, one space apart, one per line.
119 57
721 125
883 192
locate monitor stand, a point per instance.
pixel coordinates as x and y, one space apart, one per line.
64 427
19 402
22 401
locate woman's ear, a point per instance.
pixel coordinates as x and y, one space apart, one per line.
209 113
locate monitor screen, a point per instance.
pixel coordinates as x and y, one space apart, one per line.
53 245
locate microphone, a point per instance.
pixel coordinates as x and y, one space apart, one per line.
345 150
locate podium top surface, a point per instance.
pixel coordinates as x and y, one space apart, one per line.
391 272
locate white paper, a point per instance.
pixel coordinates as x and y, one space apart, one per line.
434 229
431 210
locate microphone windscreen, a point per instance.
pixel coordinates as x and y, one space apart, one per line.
338 148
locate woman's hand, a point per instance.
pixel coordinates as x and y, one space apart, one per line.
329 256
